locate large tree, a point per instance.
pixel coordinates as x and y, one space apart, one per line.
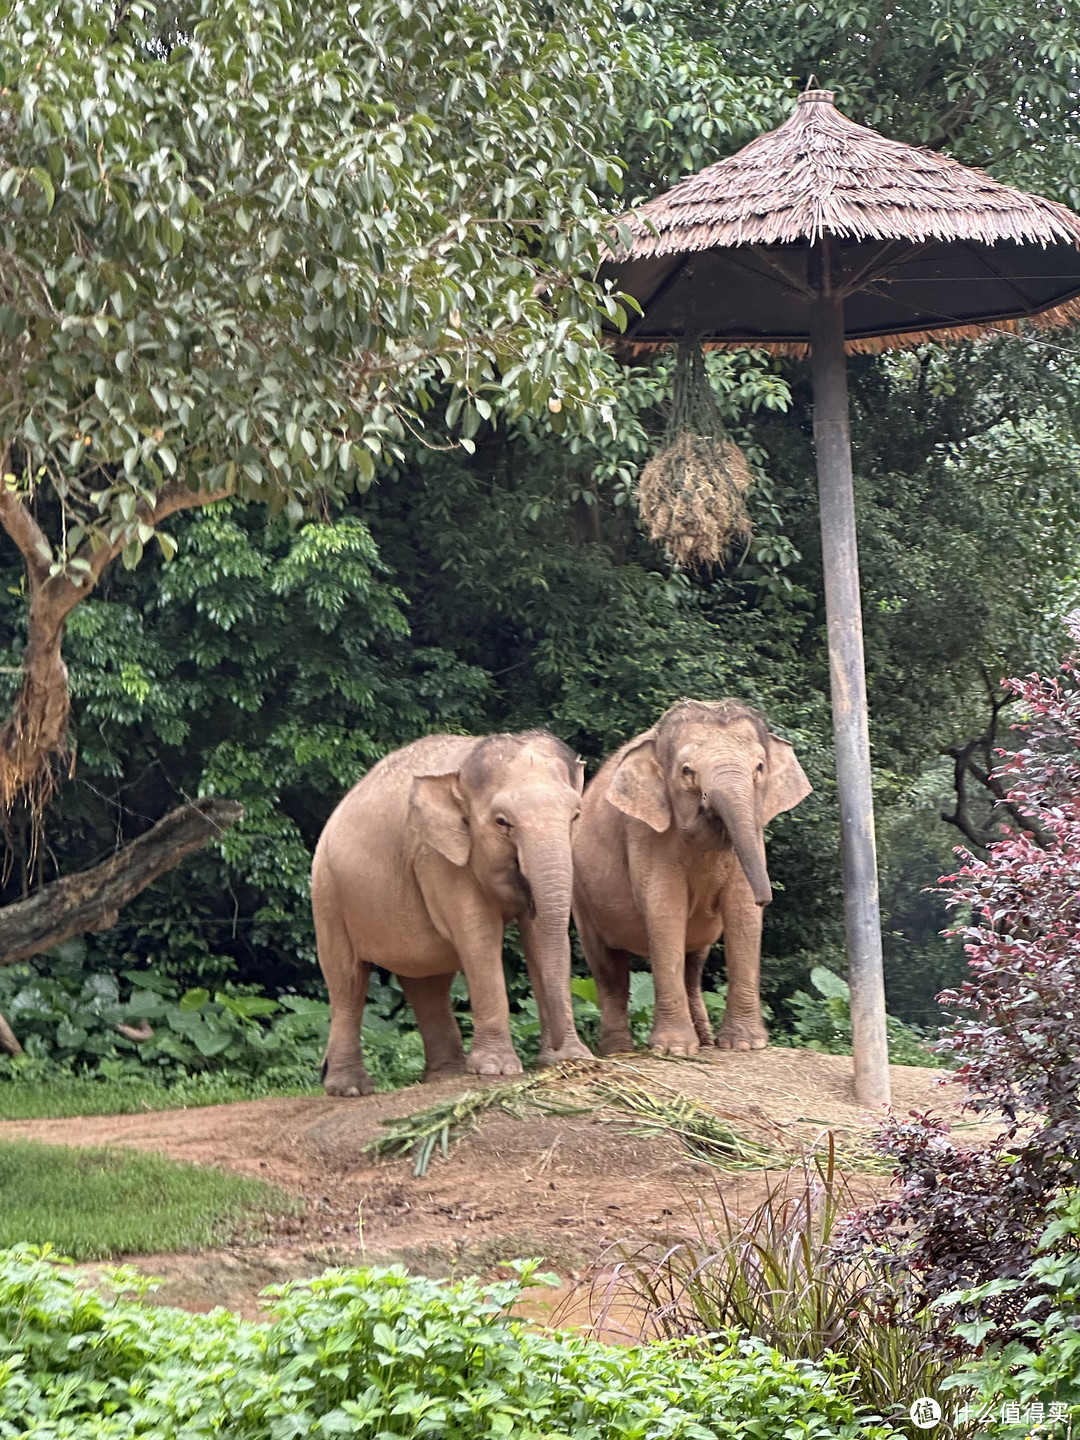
474 147
248 247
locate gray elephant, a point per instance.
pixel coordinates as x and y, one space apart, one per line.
421 867
669 854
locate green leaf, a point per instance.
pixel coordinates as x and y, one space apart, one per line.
44 179
829 984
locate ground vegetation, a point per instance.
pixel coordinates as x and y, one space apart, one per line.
494 574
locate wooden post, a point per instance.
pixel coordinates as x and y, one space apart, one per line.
832 444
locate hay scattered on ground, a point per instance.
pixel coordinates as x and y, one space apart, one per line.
639 1105
438 1125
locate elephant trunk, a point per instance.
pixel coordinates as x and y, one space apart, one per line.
738 812
544 860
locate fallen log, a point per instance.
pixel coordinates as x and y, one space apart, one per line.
92 899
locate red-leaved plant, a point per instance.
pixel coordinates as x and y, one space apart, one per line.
965 1215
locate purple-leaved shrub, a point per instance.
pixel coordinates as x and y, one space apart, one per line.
964 1215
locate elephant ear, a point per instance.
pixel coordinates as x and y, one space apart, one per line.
638 787
787 780
437 812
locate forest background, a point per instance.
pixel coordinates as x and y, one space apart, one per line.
487 570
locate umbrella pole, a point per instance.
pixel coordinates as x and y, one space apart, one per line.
832 444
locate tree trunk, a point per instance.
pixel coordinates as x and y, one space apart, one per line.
35 733
9 1045
92 899
33 739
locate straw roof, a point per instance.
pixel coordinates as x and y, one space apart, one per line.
885 203
819 174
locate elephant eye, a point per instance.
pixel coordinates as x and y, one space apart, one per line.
761 767
502 821
688 770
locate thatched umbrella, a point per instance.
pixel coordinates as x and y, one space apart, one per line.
823 236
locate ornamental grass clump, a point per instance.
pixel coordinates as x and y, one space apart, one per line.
775 1274
692 492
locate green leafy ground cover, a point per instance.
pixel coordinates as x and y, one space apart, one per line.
93 1203
212 1047
379 1353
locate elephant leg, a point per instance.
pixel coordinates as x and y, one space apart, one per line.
742 1027
474 928
611 971
559 1040
695 964
477 937
346 978
429 996
673 1031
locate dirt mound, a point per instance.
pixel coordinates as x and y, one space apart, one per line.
559 1186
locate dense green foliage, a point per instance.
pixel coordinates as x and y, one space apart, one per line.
1041 1366
365 1352
822 1021
100 1203
450 182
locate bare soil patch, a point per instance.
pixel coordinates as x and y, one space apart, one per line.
562 1187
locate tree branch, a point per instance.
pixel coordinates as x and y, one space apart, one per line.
92 899
23 529
961 816
171 500
986 775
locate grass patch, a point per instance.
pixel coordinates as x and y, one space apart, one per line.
93 1204
56 1099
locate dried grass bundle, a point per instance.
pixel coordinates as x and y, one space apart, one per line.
692 493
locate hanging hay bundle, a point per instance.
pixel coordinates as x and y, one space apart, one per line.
692 493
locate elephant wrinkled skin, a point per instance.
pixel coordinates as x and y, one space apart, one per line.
669 854
419 870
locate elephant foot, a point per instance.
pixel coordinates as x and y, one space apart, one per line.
702 1028
572 1049
615 1042
674 1039
742 1034
348 1081
445 1069
493 1060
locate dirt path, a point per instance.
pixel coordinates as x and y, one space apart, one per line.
562 1187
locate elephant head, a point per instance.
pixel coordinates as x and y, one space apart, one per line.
712 770
506 815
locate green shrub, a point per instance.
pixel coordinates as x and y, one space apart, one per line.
379 1354
65 1013
1042 1366
207 1047
823 1022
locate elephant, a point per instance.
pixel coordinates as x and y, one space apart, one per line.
669 854
419 870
